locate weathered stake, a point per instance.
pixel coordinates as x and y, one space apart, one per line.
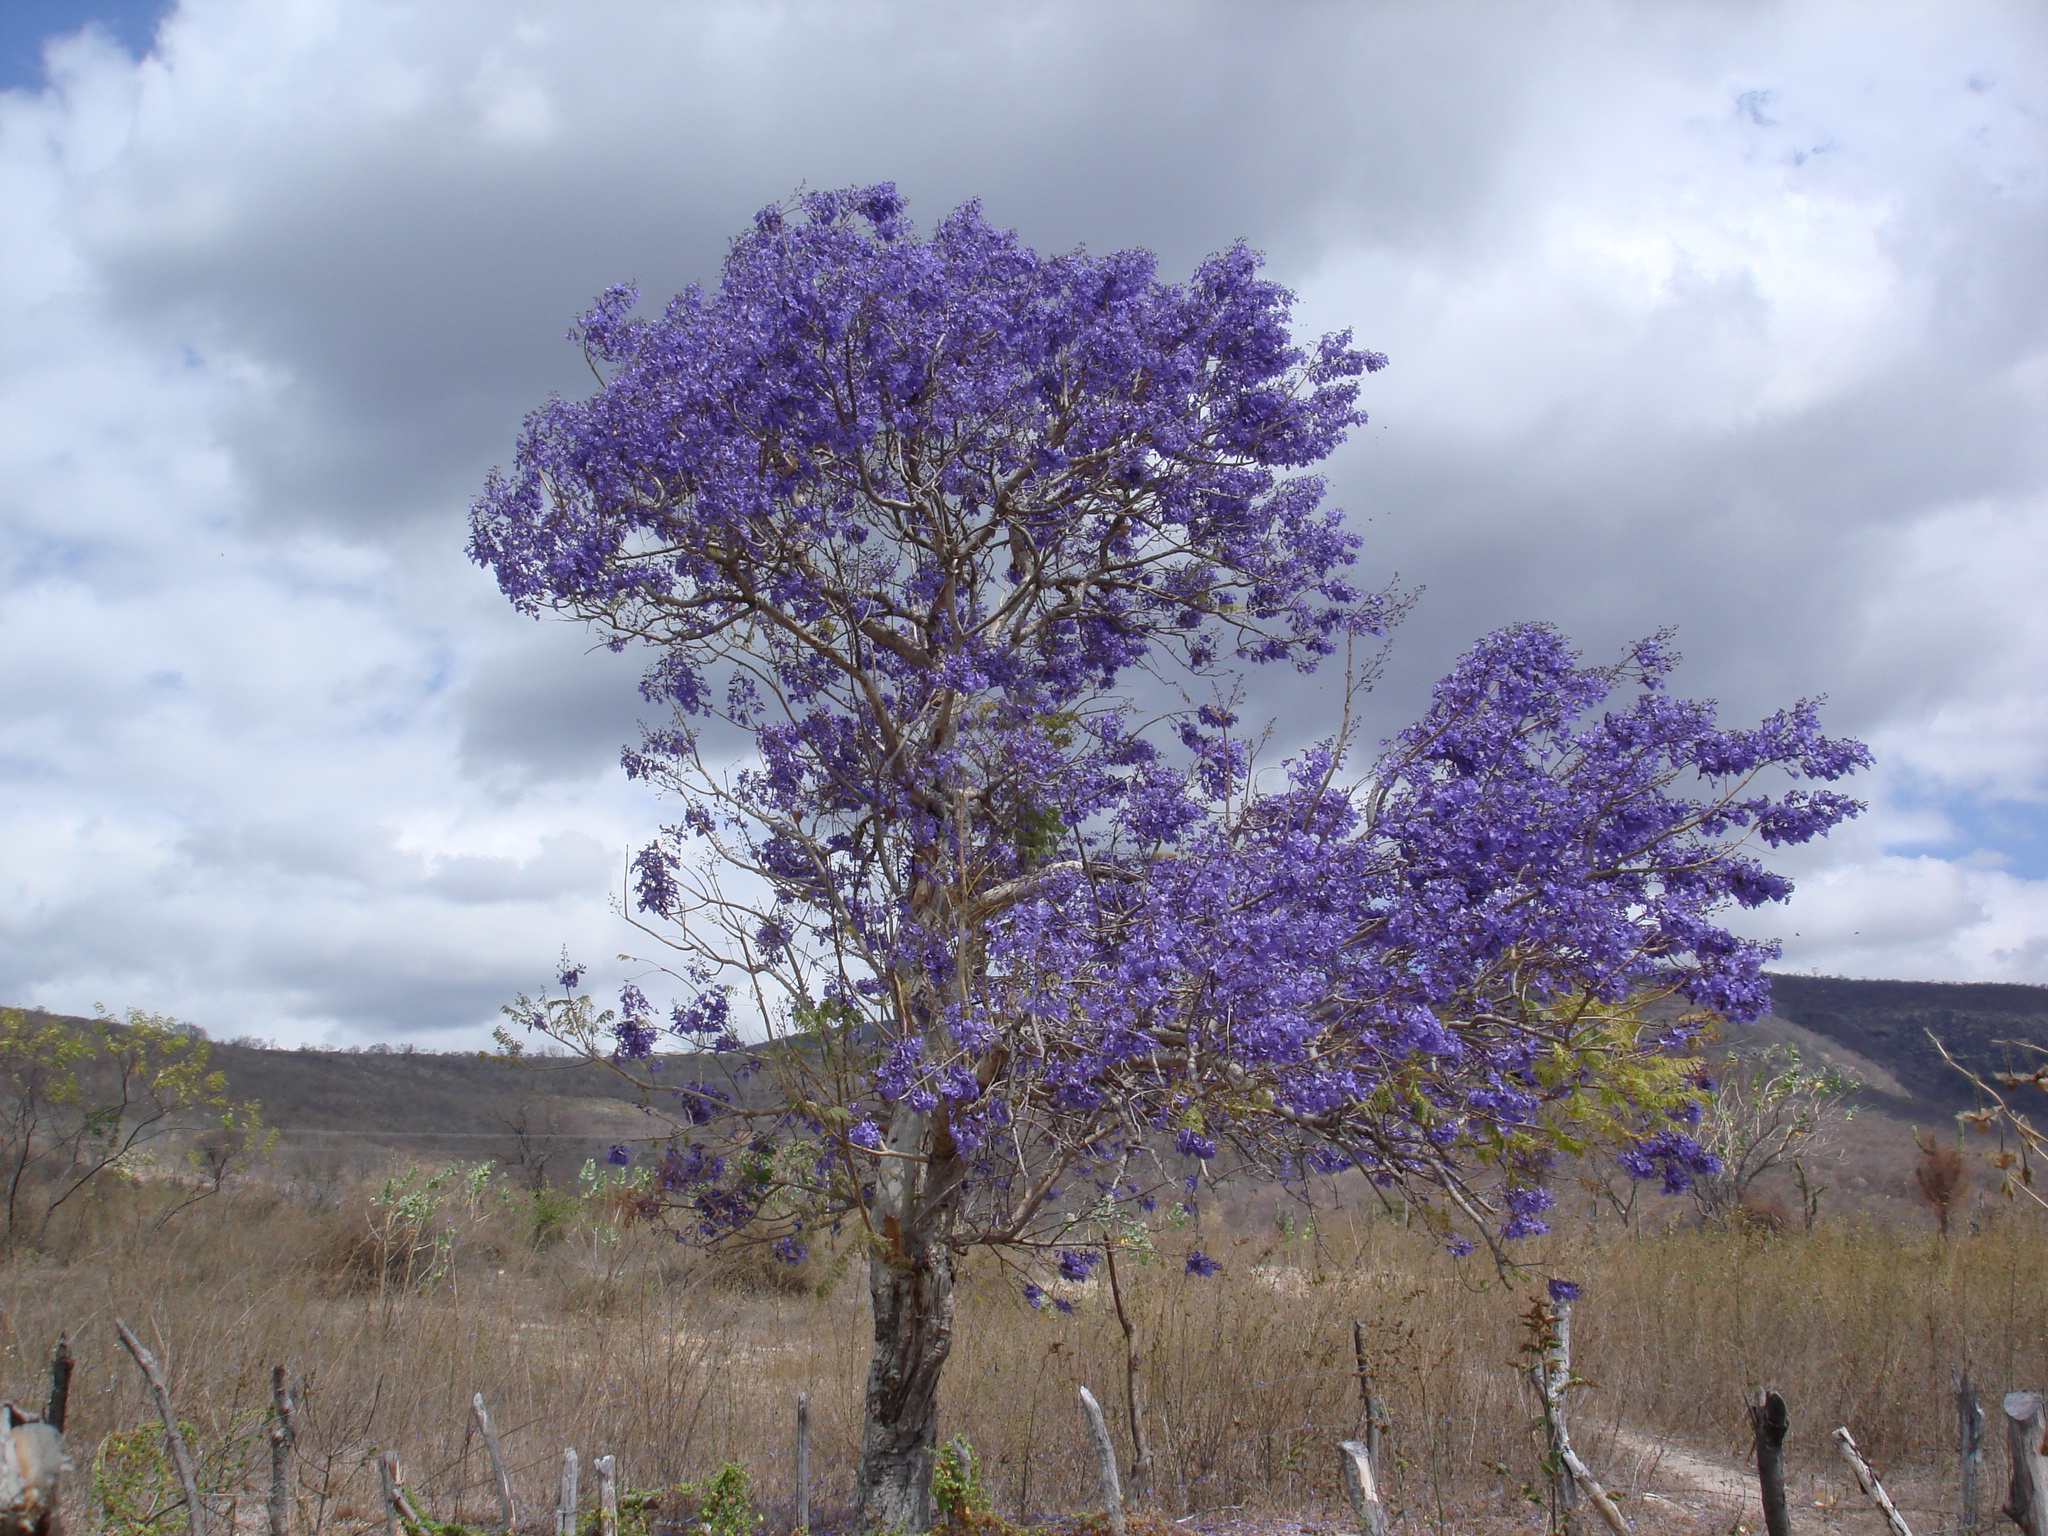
284 1433
1553 1373
607 1495
803 1462
1362 1488
388 1475
565 1512
1768 1421
1105 1462
1134 1389
1867 1481
174 1439
500 1475
60 1384
1969 1456
1374 1412
2026 1429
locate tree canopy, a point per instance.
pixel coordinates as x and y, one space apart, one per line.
914 527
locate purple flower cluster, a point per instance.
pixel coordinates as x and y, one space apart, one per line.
903 509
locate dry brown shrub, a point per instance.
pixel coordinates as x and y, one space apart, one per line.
1940 1176
619 1340
1764 1213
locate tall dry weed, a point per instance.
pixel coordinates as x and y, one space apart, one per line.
615 1339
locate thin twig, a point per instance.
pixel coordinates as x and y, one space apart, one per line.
181 1457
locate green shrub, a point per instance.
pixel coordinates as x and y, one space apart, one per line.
956 1483
134 1487
725 1502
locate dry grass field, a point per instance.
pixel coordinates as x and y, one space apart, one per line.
583 1328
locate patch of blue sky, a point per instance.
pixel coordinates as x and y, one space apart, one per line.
2006 834
26 25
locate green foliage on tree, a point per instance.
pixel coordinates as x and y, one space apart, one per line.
86 1102
1772 1112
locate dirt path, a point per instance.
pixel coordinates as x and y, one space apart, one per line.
1666 1467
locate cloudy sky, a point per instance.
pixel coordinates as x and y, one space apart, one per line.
1730 316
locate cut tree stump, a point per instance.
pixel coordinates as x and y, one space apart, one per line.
2026 1430
565 1512
501 1476
1362 1488
284 1433
803 1463
1105 1462
1769 1421
607 1495
1969 1457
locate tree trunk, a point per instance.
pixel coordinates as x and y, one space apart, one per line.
911 1292
1134 1386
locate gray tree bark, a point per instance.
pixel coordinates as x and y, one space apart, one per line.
2026 1430
911 1293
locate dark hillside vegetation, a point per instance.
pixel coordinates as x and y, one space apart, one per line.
544 1117
455 1093
1890 1022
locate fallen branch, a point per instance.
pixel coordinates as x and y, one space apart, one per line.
1872 1488
174 1439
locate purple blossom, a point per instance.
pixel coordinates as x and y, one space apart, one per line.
1199 1263
634 1030
1525 1205
904 510
1189 1144
1563 1290
619 1157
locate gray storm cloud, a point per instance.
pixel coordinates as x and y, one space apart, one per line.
1728 318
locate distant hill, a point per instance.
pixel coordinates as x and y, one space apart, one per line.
454 1103
1888 1022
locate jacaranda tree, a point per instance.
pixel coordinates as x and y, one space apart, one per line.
903 520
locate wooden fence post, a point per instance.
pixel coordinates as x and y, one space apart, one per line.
1867 1481
500 1475
803 1463
1768 1421
174 1439
1370 1406
1552 1374
607 1495
565 1512
2026 1427
284 1433
1105 1462
390 1474
1368 1511
60 1384
1969 1455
